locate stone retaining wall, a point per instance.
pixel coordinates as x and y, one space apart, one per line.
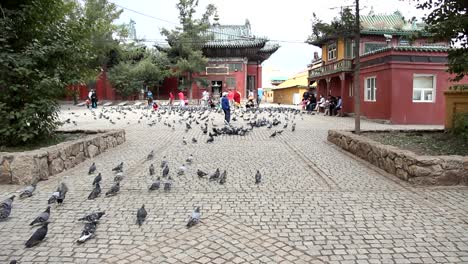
31 166
406 165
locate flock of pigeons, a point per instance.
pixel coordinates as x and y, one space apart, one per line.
261 117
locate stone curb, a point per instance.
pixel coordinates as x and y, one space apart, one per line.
406 165
32 166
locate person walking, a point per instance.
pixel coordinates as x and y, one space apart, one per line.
237 99
205 96
226 108
171 98
231 98
259 96
149 97
181 98
94 100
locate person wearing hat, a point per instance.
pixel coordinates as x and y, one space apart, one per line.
226 108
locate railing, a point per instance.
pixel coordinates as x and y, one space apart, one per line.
338 66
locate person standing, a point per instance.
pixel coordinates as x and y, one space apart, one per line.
90 94
181 98
205 96
149 97
231 98
226 108
237 98
171 98
259 96
94 99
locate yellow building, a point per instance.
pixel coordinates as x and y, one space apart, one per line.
290 92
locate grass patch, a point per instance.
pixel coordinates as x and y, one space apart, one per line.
45 142
436 143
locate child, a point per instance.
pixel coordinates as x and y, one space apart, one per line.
88 103
155 106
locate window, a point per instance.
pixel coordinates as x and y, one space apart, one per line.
369 47
233 67
332 51
231 82
371 89
349 50
351 89
423 88
404 42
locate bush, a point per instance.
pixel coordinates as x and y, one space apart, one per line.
460 125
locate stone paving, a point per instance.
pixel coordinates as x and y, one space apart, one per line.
316 203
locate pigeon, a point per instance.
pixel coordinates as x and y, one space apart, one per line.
163 162
151 169
141 215
210 139
88 232
258 177
222 178
184 141
118 177
273 134
43 217
182 170
37 236
150 155
215 175
194 140
92 168
165 171
92 217
13 261
201 173
114 189
189 160
5 207
95 192
293 127
118 168
155 185
28 191
194 218
97 179
168 184
59 195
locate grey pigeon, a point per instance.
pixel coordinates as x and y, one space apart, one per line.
59 195
119 168
155 185
37 236
151 169
293 128
165 171
214 176
141 215
97 179
150 155
163 162
95 192
5 207
194 218
114 189
222 178
210 140
184 141
92 168
168 184
258 177
88 232
93 217
28 191
182 170
201 173
13 261
118 177
43 217
194 140
273 134
189 160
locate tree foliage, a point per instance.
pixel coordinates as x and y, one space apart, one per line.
45 45
341 26
186 41
138 68
448 20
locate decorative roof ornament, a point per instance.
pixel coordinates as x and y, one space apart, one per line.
398 13
371 12
247 23
216 19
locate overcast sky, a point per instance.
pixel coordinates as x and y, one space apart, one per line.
288 22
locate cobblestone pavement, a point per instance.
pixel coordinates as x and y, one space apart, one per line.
316 204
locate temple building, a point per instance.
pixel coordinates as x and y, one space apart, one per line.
235 58
403 73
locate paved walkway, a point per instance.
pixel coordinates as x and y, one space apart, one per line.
316 204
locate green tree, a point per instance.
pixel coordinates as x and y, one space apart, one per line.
45 45
341 26
138 68
186 42
448 20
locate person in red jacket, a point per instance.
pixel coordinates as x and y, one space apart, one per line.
171 98
237 98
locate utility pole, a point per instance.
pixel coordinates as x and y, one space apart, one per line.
357 68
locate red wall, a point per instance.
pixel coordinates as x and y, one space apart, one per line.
380 109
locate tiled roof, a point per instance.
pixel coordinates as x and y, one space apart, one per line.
233 36
410 48
392 24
